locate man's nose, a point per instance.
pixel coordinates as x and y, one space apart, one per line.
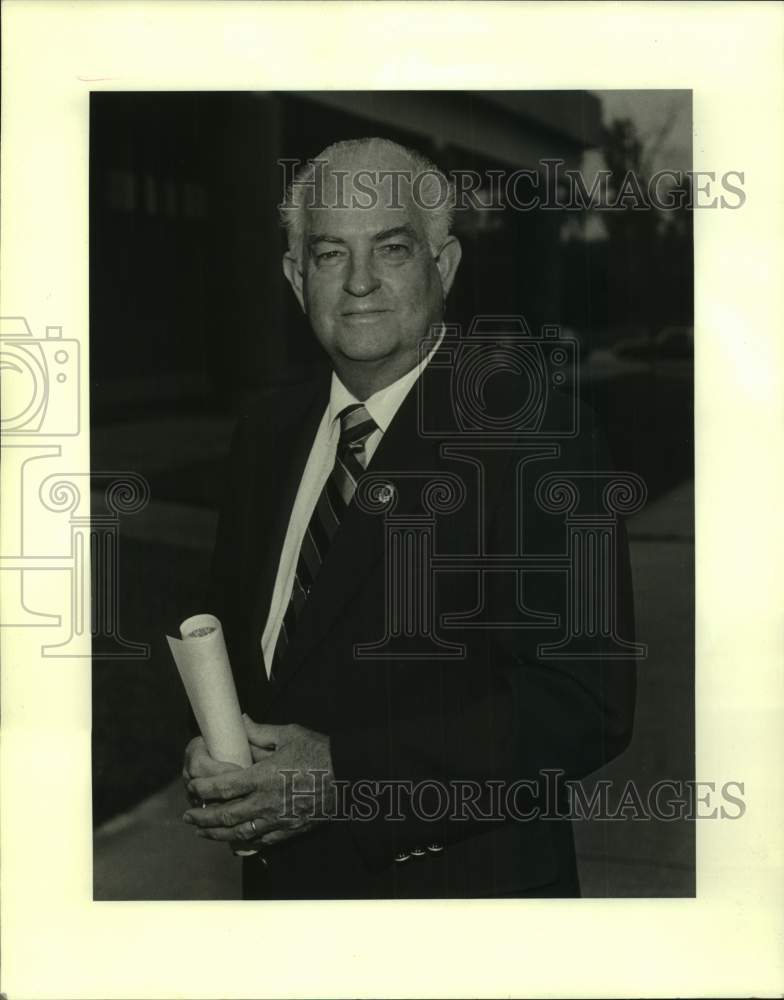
361 278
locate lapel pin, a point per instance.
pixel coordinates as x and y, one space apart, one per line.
385 493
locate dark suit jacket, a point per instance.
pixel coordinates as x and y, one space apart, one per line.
500 713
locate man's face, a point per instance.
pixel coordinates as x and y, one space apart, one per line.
369 282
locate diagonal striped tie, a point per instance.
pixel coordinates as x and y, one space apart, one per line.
356 426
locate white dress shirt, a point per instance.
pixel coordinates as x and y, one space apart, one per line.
382 407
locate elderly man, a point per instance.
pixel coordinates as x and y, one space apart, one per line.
397 761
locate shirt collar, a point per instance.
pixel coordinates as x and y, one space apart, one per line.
384 404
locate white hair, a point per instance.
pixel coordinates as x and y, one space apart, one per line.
432 192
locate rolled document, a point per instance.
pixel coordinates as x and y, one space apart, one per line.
204 667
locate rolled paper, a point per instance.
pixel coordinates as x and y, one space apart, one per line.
203 665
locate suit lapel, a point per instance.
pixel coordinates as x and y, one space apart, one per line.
359 543
280 454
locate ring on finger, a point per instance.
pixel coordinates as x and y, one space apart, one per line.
253 828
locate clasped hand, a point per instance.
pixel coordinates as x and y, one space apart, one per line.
285 792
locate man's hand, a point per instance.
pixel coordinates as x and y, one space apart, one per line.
199 764
285 792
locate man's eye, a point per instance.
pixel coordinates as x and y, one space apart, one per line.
394 250
328 255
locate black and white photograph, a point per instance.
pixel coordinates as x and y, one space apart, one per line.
389 572
407 382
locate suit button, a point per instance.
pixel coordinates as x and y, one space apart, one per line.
435 848
417 852
401 856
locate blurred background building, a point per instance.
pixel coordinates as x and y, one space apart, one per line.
190 313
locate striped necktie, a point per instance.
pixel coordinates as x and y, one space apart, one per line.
356 426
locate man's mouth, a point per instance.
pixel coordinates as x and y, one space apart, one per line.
363 312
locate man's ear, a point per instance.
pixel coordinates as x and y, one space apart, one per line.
294 276
447 262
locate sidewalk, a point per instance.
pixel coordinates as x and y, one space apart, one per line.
653 858
149 854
